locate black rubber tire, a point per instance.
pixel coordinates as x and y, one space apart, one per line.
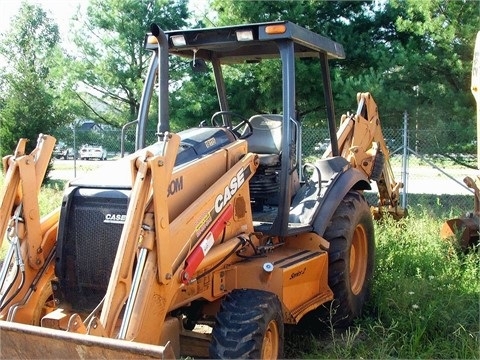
351 287
249 325
351 258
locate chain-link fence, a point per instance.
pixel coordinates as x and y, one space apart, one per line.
423 160
431 179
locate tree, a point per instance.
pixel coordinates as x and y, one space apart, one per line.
411 55
111 61
29 90
355 25
320 17
434 52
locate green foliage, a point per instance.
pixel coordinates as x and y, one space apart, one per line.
321 17
193 100
51 196
113 62
413 56
28 100
31 38
434 42
426 290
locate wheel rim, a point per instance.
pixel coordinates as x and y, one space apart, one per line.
358 259
270 341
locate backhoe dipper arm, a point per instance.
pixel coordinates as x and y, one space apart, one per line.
361 142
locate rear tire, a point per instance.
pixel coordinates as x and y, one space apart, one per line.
351 260
351 257
249 325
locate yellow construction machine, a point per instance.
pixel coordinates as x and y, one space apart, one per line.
207 242
465 230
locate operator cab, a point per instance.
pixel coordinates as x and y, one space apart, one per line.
276 138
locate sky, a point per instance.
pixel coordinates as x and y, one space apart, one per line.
60 10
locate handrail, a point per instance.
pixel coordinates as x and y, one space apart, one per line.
122 138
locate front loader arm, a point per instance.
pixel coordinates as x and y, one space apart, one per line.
28 265
361 142
23 178
205 234
165 251
23 300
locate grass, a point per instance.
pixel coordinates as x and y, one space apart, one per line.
50 196
49 199
424 301
81 167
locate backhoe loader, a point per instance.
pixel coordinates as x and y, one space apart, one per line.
207 242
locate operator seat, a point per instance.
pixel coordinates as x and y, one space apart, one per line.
266 138
266 142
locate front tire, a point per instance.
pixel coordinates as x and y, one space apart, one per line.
41 308
249 325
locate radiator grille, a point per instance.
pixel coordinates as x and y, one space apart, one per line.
89 244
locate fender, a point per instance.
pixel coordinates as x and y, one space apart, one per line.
343 178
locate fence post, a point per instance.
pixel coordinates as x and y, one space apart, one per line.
74 149
405 160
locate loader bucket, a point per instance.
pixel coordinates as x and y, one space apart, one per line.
464 230
19 341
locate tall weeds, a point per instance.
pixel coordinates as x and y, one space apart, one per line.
424 302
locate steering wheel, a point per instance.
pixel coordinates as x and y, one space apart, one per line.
235 128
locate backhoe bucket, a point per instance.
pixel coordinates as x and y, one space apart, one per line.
19 341
464 230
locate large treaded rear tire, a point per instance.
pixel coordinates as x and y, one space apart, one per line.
351 259
249 325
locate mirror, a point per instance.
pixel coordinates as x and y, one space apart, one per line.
199 66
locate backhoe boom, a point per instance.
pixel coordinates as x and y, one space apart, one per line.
361 142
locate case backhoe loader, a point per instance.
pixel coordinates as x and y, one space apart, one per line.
207 242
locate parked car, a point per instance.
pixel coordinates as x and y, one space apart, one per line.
58 152
63 152
70 153
322 146
89 152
